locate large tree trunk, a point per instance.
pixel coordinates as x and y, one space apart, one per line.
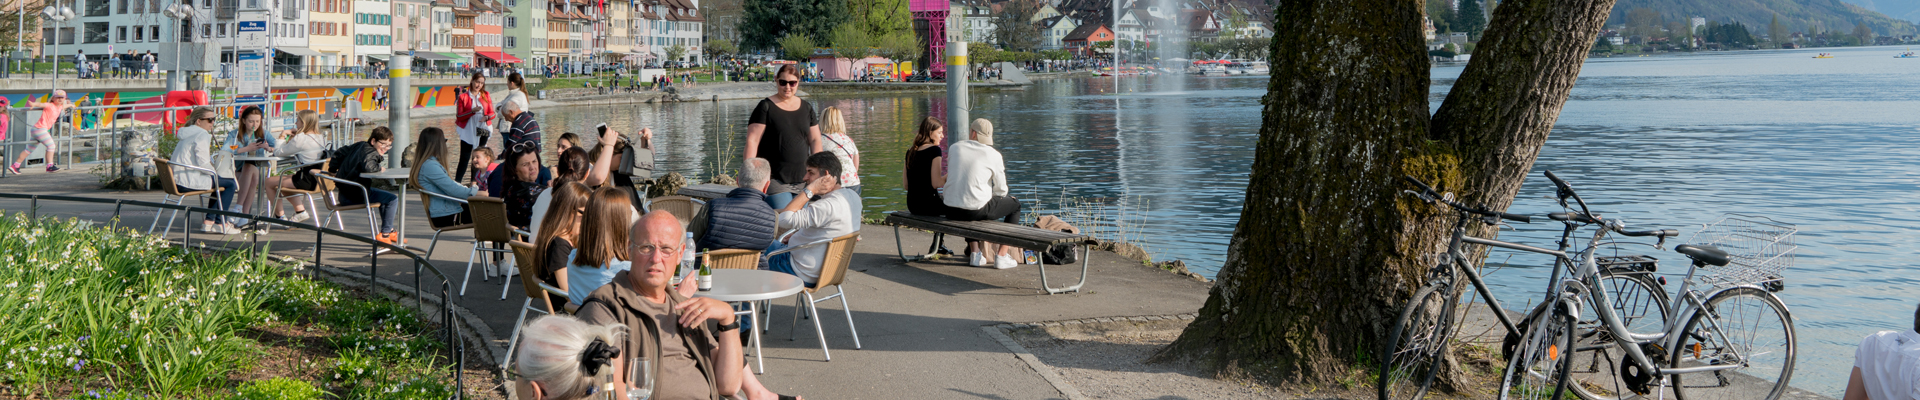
1327 248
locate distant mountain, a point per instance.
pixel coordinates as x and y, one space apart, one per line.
1797 15
1903 9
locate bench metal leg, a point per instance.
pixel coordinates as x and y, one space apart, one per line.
1085 256
900 248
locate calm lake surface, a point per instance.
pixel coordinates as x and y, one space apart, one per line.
1830 145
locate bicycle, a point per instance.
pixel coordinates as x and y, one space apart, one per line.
1698 343
1412 354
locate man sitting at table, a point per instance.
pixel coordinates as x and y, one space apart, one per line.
682 336
823 211
742 220
352 163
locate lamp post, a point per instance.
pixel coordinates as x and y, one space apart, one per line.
58 15
178 12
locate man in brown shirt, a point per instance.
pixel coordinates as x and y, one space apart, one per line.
693 343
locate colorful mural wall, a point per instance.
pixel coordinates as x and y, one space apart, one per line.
425 97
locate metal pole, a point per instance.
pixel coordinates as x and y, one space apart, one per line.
398 106
956 91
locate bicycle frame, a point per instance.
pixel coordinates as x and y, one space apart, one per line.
1459 260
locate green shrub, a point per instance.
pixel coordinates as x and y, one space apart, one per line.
278 389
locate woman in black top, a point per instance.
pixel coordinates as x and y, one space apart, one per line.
784 130
558 229
522 186
925 177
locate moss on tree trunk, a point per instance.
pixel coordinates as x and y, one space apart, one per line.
1327 248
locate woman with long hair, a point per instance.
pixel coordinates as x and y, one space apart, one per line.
253 141
430 175
473 118
602 249
304 144
925 175
784 130
833 128
554 239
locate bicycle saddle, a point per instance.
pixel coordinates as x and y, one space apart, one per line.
1704 254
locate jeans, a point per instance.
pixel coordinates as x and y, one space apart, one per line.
783 262
227 187
466 158
388 211
779 194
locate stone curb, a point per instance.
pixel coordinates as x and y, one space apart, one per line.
999 334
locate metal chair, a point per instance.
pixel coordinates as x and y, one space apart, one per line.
529 278
682 207
330 184
426 198
173 193
832 273
489 226
288 192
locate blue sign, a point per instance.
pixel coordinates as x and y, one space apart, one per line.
253 26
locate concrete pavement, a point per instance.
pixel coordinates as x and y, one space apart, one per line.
919 323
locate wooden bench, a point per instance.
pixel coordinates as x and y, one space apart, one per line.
706 191
1024 237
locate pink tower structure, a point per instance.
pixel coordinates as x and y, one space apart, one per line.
930 23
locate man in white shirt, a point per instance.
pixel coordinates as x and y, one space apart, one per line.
977 190
835 212
1887 366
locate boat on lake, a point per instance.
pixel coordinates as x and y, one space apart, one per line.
1824 55
1907 55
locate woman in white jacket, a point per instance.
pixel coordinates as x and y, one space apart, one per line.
196 149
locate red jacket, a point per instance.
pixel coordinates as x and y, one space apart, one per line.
463 99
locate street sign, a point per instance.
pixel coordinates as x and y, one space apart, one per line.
252 35
251 74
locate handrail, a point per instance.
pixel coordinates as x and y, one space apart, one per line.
448 325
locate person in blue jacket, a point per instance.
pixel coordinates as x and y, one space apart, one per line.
430 175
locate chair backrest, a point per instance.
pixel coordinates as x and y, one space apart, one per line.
317 188
427 200
166 176
681 207
490 219
523 253
833 269
733 259
332 194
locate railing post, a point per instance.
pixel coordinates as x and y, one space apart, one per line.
116 213
33 210
319 232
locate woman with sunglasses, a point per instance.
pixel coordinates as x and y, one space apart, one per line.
473 119
195 149
784 130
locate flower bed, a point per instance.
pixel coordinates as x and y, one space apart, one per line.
98 313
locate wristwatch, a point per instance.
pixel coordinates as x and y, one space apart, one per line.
729 327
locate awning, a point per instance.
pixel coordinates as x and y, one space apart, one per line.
455 57
381 57
431 56
298 51
499 56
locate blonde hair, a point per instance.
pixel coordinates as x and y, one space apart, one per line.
832 122
309 122
550 354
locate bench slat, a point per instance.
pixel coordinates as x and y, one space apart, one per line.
1025 237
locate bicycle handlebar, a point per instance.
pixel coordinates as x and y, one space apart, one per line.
1429 193
1662 233
1566 191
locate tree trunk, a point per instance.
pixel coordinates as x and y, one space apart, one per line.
1327 248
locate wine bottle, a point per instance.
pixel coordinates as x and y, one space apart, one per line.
706 272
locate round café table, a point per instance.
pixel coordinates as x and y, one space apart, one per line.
752 286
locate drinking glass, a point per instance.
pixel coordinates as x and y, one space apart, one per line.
640 379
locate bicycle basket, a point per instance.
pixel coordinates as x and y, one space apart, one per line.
1759 248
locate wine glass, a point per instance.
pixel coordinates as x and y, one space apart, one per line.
639 379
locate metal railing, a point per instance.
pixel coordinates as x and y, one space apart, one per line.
450 330
337 129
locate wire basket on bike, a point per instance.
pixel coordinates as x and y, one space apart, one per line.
1758 248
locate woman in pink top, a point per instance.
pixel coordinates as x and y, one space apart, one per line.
50 113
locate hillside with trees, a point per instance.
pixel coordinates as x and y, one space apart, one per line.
1806 16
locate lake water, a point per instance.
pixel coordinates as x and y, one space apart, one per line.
1830 145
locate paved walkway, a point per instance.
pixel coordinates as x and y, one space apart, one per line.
919 322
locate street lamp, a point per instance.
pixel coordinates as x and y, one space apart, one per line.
57 15
178 12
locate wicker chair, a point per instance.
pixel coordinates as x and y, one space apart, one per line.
832 273
173 193
529 278
489 226
682 207
318 190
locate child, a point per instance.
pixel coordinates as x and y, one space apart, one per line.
483 165
50 113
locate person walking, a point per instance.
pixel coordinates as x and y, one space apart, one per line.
42 132
147 64
113 66
784 130
80 64
474 118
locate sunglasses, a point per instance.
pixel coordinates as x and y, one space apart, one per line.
523 147
784 82
208 119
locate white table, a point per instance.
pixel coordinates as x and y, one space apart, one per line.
266 165
752 286
401 176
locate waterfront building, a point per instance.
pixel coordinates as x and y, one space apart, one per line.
462 33
525 30
330 34
1081 41
975 18
488 40
372 31
1054 32
410 28
685 29
619 37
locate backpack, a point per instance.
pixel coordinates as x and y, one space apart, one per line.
1060 254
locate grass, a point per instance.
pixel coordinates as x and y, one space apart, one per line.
94 312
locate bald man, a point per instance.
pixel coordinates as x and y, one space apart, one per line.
693 342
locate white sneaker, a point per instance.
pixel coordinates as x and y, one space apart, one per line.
302 216
212 228
1004 262
978 260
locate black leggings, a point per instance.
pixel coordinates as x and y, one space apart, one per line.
460 218
1003 208
466 158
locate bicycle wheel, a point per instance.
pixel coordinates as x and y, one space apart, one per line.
1641 303
1754 330
1538 368
1417 344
